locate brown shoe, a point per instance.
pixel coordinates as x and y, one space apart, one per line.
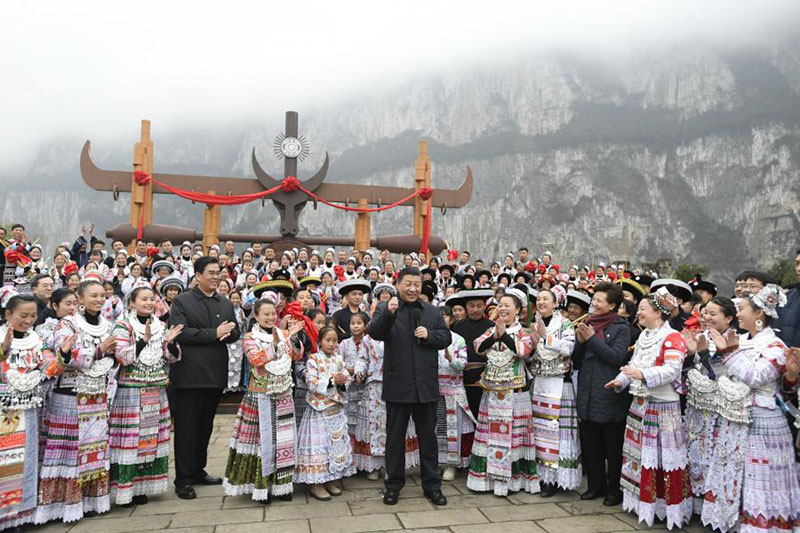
333 489
319 493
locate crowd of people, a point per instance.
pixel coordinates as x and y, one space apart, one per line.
672 399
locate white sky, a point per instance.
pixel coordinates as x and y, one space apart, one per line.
86 67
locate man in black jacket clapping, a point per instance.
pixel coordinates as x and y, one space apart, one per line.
200 376
413 332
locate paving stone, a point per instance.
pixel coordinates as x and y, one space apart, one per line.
500 527
313 509
409 505
287 526
350 524
584 524
53 527
117 511
632 521
202 491
361 482
217 517
178 506
559 497
240 502
471 501
198 529
581 507
531 511
450 517
122 525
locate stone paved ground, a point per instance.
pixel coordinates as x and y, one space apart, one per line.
360 508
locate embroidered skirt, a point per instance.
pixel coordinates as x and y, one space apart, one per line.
139 432
369 436
19 457
74 475
771 490
324 451
701 434
262 450
504 453
558 447
455 433
655 476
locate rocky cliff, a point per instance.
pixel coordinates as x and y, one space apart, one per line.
682 154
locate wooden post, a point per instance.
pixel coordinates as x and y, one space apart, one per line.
362 228
142 195
422 178
212 220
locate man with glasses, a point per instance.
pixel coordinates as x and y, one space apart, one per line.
209 324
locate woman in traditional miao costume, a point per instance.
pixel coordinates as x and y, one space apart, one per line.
24 363
261 459
655 474
760 457
369 433
702 415
455 425
324 452
504 451
63 302
139 426
74 475
558 448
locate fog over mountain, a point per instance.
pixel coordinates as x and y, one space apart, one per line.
684 152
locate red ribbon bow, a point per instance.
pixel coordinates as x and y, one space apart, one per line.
294 311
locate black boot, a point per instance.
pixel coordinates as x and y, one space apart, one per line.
548 490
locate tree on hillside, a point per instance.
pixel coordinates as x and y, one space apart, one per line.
784 272
687 271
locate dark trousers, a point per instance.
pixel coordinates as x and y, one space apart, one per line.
601 445
193 415
424 415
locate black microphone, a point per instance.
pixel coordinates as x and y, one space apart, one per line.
417 314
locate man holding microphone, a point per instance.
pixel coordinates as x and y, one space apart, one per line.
413 332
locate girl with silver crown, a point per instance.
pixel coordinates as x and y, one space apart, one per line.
262 453
558 449
655 475
754 438
139 426
24 363
74 474
504 450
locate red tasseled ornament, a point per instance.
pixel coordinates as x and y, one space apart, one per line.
290 184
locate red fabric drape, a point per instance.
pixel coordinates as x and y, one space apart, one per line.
290 184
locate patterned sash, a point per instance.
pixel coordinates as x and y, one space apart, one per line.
93 460
500 407
12 459
632 448
282 441
149 417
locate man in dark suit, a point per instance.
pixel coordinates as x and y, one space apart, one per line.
200 376
413 332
